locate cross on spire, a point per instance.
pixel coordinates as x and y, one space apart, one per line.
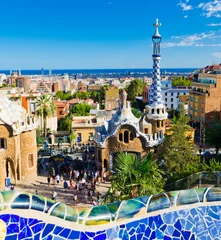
157 24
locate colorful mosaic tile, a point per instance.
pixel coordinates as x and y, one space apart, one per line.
132 219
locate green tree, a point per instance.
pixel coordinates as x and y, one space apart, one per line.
177 151
213 136
134 177
137 113
135 88
63 96
64 124
181 81
73 137
81 109
45 108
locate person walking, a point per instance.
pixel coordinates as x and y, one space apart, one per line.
57 178
71 185
75 198
65 185
49 181
54 196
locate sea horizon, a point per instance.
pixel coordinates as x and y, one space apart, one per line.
100 71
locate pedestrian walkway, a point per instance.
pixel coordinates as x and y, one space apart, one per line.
40 185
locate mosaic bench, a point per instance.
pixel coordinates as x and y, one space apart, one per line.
186 214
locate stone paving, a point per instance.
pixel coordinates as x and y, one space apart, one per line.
40 184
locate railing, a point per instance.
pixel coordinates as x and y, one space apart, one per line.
197 180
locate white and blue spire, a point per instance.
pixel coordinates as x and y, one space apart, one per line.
155 96
155 105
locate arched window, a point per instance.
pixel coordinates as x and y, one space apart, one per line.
120 137
153 111
158 111
162 123
126 137
131 137
158 124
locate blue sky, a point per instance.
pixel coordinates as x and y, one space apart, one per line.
108 33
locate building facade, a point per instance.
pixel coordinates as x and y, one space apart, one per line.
126 133
18 148
205 99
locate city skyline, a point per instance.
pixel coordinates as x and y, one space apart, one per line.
108 34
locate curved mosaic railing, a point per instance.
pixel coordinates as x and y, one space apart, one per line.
183 213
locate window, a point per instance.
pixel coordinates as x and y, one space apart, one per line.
184 93
203 119
2 143
196 100
171 105
120 137
91 137
165 99
202 110
131 137
171 94
146 130
171 100
126 137
191 98
30 160
158 124
196 118
196 110
203 101
178 94
79 137
166 94
191 108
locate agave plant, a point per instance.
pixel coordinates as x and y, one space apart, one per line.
134 177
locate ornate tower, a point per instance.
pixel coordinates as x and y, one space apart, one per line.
156 111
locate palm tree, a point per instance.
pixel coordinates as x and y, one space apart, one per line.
134 177
45 108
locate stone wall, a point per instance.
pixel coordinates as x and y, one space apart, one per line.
28 147
10 154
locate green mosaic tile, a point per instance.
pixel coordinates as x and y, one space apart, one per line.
59 211
38 203
22 201
187 197
113 208
1 202
213 194
71 214
82 214
129 209
8 197
98 215
200 192
158 202
172 197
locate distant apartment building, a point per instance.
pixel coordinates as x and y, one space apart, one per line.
205 98
62 109
147 80
84 127
171 95
21 82
111 98
94 88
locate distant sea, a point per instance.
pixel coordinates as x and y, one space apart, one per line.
105 72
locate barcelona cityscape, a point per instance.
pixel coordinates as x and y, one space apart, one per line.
110 120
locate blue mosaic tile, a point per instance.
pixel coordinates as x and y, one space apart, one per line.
48 229
65 232
74 235
57 230
11 237
12 228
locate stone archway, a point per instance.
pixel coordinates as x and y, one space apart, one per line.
11 170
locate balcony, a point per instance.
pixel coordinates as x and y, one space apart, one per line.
30 123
